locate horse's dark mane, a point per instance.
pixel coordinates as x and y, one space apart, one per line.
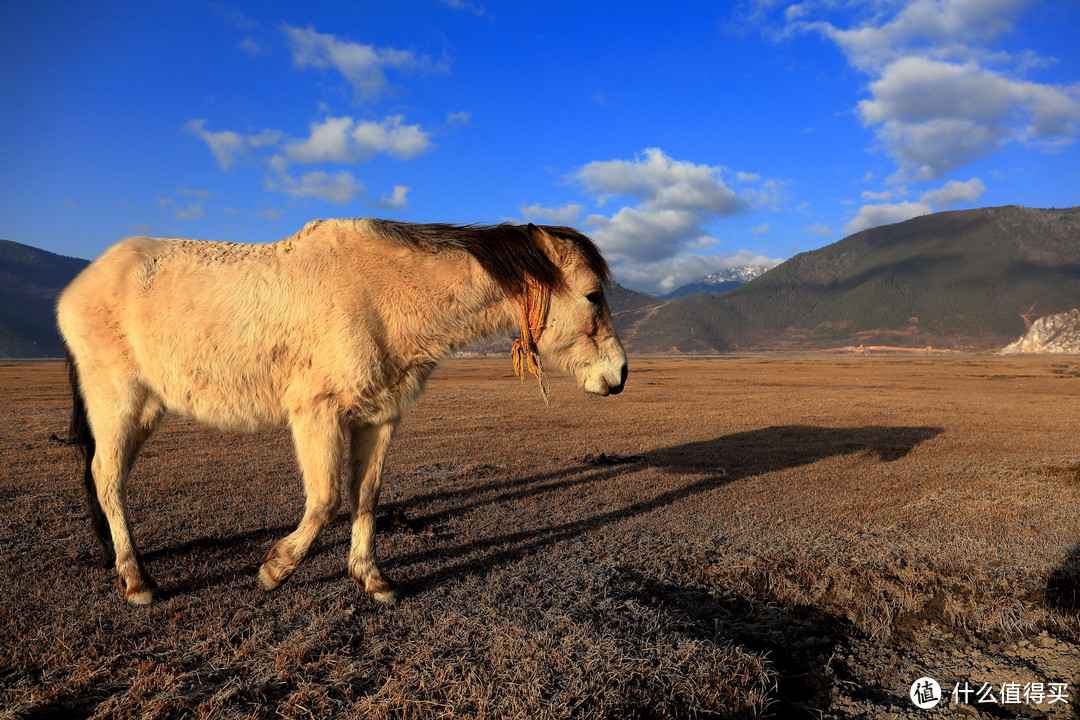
509 253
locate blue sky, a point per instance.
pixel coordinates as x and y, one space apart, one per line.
683 137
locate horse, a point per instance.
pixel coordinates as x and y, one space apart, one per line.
332 332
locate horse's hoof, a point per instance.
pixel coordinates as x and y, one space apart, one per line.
139 591
388 597
145 597
266 582
382 590
379 588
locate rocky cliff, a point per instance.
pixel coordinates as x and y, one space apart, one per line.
1058 333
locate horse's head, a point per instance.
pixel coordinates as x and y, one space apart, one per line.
578 336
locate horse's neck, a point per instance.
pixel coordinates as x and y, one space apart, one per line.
474 309
483 311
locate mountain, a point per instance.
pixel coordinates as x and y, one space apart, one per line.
30 280
630 309
968 280
718 282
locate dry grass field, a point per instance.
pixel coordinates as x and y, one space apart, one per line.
731 537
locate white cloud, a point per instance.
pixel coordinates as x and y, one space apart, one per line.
270 214
655 237
633 235
251 47
873 215
949 195
939 96
328 142
335 140
475 9
340 188
818 229
944 29
390 136
332 140
363 66
226 145
565 215
954 193
675 200
194 211
933 116
396 200
342 140
458 118
661 182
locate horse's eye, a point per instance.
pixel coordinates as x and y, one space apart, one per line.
594 297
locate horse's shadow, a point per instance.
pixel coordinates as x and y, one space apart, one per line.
709 464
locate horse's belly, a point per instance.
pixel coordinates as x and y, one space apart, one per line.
229 412
244 403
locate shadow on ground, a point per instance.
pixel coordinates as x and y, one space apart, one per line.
799 641
710 463
1063 584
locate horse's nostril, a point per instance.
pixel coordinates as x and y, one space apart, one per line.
624 373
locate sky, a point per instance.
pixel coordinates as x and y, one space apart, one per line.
684 138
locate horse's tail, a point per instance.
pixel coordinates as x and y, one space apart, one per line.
80 433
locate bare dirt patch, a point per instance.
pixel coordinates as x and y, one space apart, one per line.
771 536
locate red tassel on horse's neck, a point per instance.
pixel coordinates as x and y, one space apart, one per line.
535 302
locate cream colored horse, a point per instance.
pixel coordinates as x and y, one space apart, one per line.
332 332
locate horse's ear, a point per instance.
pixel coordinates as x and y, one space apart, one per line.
545 242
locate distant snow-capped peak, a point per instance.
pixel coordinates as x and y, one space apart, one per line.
738 273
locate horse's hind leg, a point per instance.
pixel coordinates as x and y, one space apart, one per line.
369 447
317 434
122 415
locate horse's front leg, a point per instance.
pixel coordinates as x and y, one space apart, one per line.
369 446
319 439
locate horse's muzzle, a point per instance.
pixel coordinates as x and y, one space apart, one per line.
604 386
616 389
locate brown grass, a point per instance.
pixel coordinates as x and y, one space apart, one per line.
799 537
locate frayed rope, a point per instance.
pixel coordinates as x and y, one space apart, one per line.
535 302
